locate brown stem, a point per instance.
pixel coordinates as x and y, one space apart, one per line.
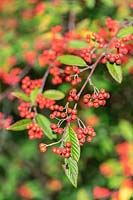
44 79
71 23
90 74
93 67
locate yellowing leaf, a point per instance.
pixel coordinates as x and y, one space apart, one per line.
125 193
45 21
82 194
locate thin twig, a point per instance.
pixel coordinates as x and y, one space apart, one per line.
44 79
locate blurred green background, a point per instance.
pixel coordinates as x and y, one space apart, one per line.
25 173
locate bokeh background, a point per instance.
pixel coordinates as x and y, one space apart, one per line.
107 162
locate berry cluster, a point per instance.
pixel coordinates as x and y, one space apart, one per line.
96 37
72 115
58 112
122 49
11 78
24 110
112 58
4 122
73 95
34 131
43 147
71 75
30 56
28 85
87 54
85 134
112 25
56 129
96 100
55 72
64 152
44 102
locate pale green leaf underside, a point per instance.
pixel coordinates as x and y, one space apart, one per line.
115 71
71 170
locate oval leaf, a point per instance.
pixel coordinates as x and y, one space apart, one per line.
72 60
71 170
77 44
125 31
34 94
20 125
21 95
75 148
54 94
115 71
44 123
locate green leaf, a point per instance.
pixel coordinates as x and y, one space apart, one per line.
21 95
64 87
115 71
125 31
71 60
54 94
44 123
82 194
126 129
75 148
108 3
71 170
20 125
34 94
90 4
36 189
77 44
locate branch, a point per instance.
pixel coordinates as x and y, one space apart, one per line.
44 79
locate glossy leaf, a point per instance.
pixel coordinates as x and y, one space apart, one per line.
71 60
20 125
71 170
21 95
44 123
125 31
75 148
34 94
115 71
77 44
54 94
